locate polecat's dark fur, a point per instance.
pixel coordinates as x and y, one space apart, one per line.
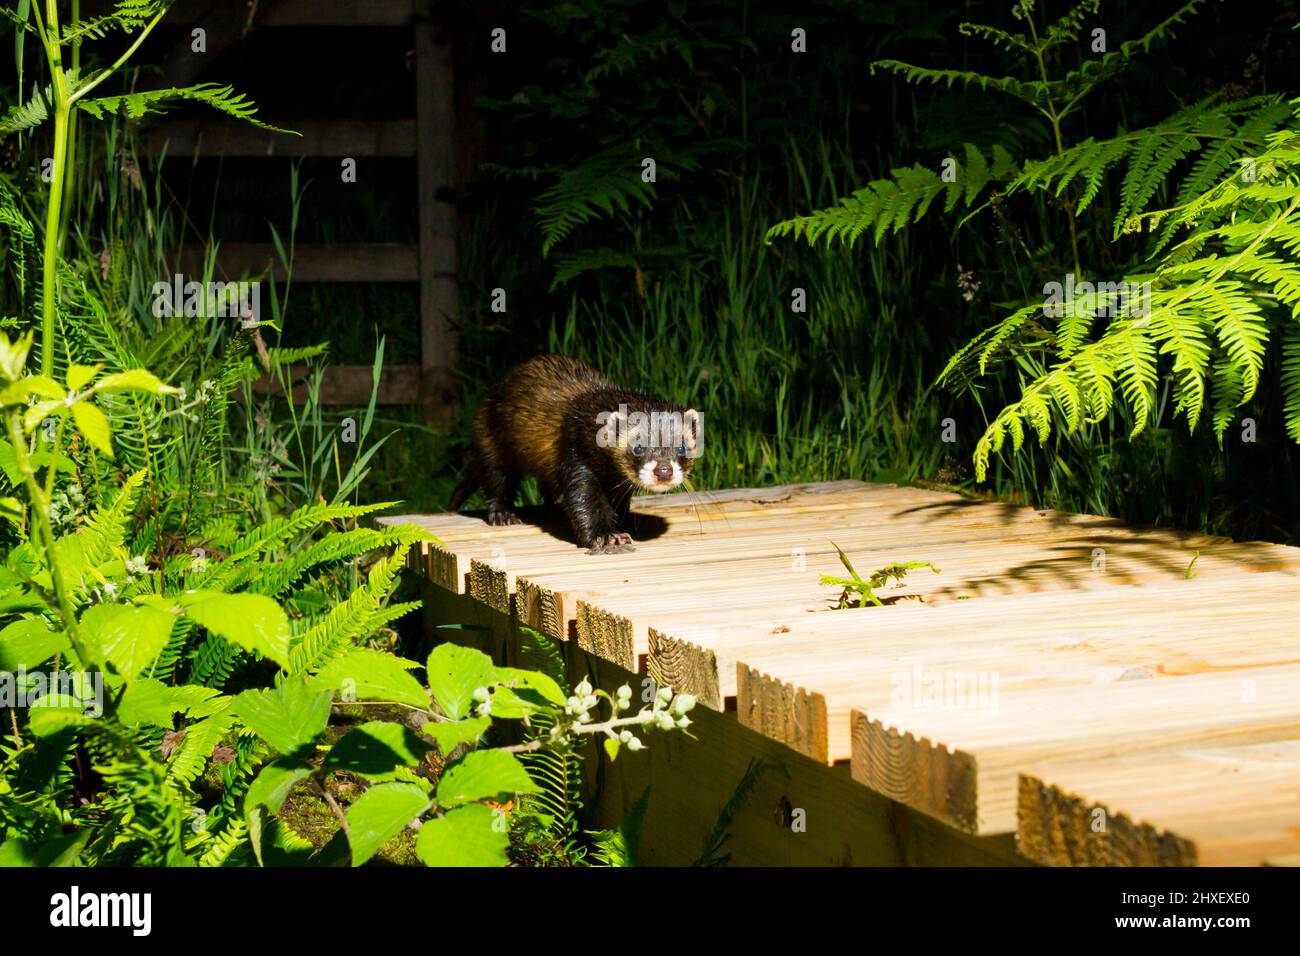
543 419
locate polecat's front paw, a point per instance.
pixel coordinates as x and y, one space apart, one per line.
615 542
503 517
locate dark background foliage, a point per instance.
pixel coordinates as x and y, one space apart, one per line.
679 293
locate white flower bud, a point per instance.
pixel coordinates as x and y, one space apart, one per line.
634 744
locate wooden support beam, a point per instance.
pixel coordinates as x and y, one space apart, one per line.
223 23
436 174
214 137
351 385
344 262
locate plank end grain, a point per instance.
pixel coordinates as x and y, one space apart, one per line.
917 772
785 713
685 667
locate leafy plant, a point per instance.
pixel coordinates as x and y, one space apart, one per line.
866 588
68 90
459 820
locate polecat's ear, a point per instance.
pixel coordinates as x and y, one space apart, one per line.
693 432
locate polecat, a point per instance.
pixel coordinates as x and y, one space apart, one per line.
584 438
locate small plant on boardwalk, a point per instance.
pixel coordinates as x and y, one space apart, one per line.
865 589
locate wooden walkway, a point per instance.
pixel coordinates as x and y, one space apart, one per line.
1062 678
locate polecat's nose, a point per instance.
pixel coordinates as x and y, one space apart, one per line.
664 471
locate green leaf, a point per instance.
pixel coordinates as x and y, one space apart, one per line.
9 463
134 380
289 718
532 680
450 734
365 674
253 621
611 748
152 703
56 712
267 794
377 749
481 775
13 511
379 815
93 426
130 638
26 643
455 672
79 375
464 837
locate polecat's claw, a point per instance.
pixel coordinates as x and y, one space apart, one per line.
503 517
614 543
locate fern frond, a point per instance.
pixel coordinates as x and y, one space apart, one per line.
219 97
607 182
25 116
105 531
888 205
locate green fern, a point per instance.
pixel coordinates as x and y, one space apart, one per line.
219 97
557 772
126 15
25 116
601 185
888 205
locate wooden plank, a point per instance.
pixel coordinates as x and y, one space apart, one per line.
349 262
799 687
464 536
1218 806
965 771
334 137
619 619
436 173
351 385
785 538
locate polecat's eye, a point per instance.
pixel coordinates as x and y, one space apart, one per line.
638 451
681 449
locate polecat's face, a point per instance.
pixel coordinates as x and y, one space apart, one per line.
658 469
658 456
